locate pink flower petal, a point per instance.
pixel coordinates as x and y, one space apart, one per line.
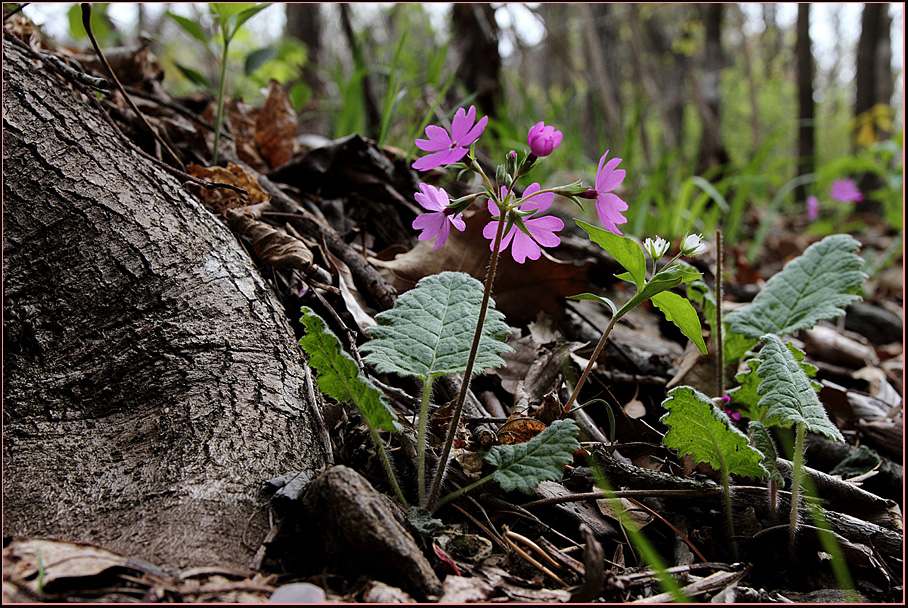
474 133
608 178
543 230
430 224
457 222
432 145
462 123
524 247
442 235
437 159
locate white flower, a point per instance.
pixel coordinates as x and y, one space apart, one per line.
656 249
693 245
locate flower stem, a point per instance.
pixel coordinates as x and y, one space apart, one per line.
720 365
797 472
222 90
465 386
421 438
589 366
386 462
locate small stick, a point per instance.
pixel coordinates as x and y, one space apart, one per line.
530 558
86 21
15 10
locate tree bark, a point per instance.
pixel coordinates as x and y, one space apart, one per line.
476 37
304 22
712 151
151 380
806 106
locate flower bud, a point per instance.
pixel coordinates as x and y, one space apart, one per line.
543 139
693 245
656 249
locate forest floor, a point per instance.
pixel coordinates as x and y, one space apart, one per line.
564 543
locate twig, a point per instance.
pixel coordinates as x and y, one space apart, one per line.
670 525
720 364
600 494
86 21
530 558
15 10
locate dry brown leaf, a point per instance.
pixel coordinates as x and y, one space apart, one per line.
273 246
275 126
221 199
520 290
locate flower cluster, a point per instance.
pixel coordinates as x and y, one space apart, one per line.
842 190
527 227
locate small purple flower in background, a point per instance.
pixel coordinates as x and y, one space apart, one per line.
446 149
608 205
813 207
543 139
845 191
733 415
542 229
439 220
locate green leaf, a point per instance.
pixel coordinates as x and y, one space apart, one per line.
663 281
625 250
699 428
429 332
193 75
747 395
258 58
788 392
817 285
522 466
735 346
190 27
761 439
248 14
594 297
680 312
339 376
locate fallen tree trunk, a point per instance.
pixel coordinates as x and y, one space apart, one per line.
151 380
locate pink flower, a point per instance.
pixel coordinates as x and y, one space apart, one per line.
733 415
447 149
541 229
543 139
439 221
813 207
608 205
845 191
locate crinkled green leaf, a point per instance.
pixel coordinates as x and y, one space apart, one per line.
626 251
815 286
747 396
522 466
761 440
430 330
679 311
340 377
699 428
788 392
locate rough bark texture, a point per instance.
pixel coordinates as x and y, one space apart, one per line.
806 106
151 381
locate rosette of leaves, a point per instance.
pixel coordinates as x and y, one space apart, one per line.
340 378
429 333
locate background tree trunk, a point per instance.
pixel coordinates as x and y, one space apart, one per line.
475 36
806 106
712 151
151 380
304 22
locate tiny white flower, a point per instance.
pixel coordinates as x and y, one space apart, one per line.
656 249
693 245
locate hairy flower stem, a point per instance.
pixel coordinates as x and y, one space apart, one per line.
796 474
589 366
386 462
461 397
720 363
222 91
421 438
726 489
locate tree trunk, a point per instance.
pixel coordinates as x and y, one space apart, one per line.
151 380
806 107
304 23
476 39
712 152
